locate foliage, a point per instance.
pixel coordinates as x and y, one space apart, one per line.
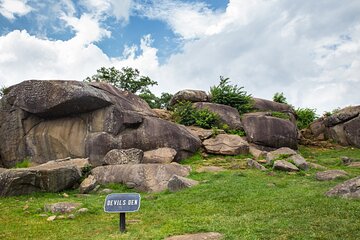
328 114
279 97
25 163
305 116
231 95
280 115
185 113
3 91
127 79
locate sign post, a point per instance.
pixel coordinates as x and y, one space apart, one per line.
122 203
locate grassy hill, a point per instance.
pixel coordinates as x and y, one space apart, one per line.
239 203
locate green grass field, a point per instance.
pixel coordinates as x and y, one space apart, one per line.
239 203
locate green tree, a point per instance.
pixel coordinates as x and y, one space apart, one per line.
231 95
127 79
305 116
279 97
164 100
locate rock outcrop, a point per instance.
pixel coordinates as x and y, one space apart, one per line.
48 120
269 131
343 127
142 177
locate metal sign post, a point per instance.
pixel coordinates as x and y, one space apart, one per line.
122 203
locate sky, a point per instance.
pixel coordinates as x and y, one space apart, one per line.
309 50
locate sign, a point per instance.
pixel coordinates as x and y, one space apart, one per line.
122 202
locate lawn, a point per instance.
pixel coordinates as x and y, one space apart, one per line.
239 203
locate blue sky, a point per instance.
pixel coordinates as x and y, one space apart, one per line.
310 50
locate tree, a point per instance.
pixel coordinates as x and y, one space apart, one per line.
127 79
231 95
279 97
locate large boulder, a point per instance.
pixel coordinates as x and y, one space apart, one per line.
348 189
189 95
50 177
269 131
264 105
142 177
160 155
47 120
228 115
226 144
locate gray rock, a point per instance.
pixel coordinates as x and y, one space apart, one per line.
61 207
197 236
124 156
142 177
226 144
204 133
317 166
281 152
189 95
346 160
299 161
106 191
82 210
160 155
228 115
267 105
177 183
254 164
342 116
352 132
348 189
87 185
354 165
257 153
269 131
52 177
285 166
330 175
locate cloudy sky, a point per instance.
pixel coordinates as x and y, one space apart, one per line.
310 50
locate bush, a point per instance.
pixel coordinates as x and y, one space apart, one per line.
279 97
231 95
25 163
185 113
305 116
280 115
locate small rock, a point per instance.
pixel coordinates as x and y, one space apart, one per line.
177 183
210 169
354 165
71 216
317 166
285 166
330 175
61 207
97 187
254 164
26 207
88 184
65 195
51 218
257 153
60 217
348 189
346 160
82 210
43 215
82 195
284 151
299 161
106 191
197 236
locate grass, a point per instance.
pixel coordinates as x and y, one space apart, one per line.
241 204
24 164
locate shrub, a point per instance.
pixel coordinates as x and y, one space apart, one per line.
231 95
305 116
279 97
185 113
25 163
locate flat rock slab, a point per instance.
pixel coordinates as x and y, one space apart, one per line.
330 175
284 151
299 161
226 144
317 166
142 177
177 183
198 236
62 207
285 166
348 189
210 169
203 133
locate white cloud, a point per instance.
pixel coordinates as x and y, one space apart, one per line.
12 8
118 9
